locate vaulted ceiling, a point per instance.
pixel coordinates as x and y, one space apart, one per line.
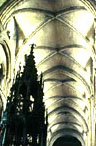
63 31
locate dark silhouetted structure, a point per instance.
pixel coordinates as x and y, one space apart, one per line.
23 122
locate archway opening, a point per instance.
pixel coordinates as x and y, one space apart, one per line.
67 141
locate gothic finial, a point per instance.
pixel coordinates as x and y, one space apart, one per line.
32 47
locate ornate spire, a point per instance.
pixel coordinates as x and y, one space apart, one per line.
24 124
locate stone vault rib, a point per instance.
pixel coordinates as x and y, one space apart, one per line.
68 79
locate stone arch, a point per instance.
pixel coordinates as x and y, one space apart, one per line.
7 68
73 112
67 132
55 99
67 121
8 57
67 140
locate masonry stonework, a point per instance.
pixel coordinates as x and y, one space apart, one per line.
64 32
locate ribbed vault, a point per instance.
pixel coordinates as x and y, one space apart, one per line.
63 31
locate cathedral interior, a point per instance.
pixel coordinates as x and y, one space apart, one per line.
64 32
